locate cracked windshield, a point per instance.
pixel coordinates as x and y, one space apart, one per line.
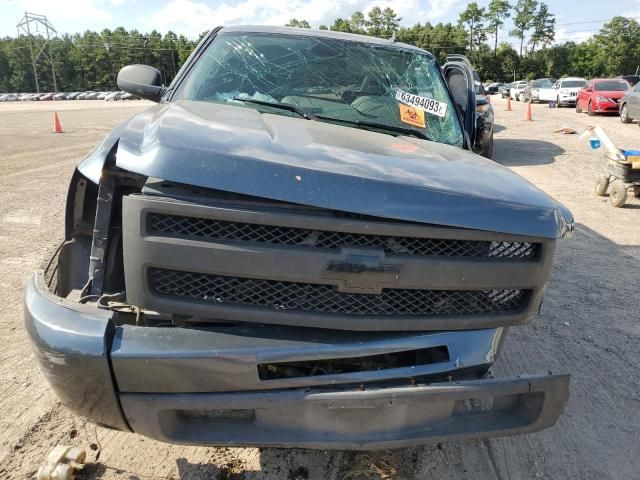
390 89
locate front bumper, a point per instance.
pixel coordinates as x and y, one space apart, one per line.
606 107
566 99
178 385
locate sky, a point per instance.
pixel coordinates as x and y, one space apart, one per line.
190 17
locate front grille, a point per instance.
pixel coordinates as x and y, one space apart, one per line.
308 297
212 229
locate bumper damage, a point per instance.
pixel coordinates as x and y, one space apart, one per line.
92 364
375 418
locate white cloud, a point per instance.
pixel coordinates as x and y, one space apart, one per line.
191 17
635 12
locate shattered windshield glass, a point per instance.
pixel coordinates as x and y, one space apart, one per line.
351 83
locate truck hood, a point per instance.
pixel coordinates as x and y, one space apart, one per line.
237 149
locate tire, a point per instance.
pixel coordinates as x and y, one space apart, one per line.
618 194
636 191
590 111
488 153
602 184
624 114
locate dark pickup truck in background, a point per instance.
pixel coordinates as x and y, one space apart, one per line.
296 247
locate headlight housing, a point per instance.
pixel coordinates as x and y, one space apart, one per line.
602 99
564 90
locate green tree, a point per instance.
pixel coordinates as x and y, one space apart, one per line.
341 25
544 27
375 23
358 22
497 12
294 22
390 22
472 17
523 19
617 46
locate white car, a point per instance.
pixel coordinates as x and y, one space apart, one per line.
518 89
541 90
567 90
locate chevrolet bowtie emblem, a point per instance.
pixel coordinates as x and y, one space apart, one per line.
362 273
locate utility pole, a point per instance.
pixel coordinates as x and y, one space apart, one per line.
32 23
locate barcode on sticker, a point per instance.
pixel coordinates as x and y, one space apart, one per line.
428 105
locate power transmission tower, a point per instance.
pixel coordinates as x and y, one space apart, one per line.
31 24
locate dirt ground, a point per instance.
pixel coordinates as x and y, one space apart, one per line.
589 325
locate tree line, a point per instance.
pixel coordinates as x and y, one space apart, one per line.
91 61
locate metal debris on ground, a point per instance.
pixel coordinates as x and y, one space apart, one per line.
566 131
62 463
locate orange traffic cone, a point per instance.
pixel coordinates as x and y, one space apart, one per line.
527 113
57 128
509 104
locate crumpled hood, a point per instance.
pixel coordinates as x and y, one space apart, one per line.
237 149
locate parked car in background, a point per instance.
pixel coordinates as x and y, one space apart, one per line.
567 90
9 97
46 97
601 95
483 143
60 96
493 88
632 79
504 89
630 105
72 95
540 90
518 89
114 96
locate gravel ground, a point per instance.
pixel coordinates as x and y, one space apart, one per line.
589 325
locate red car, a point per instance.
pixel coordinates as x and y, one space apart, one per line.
601 95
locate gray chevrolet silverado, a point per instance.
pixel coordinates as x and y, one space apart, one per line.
297 247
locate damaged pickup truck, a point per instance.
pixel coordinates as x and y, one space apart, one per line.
297 247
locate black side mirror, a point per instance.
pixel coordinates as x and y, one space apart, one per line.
459 76
141 80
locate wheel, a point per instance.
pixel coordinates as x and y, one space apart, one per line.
636 191
590 111
602 183
624 114
578 108
618 194
488 153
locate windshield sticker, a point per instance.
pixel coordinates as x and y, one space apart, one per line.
425 104
412 116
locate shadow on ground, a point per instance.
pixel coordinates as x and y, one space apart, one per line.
497 128
517 153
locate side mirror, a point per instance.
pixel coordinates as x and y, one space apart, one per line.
459 76
141 80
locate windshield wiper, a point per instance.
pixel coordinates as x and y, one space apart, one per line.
380 126
281 106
